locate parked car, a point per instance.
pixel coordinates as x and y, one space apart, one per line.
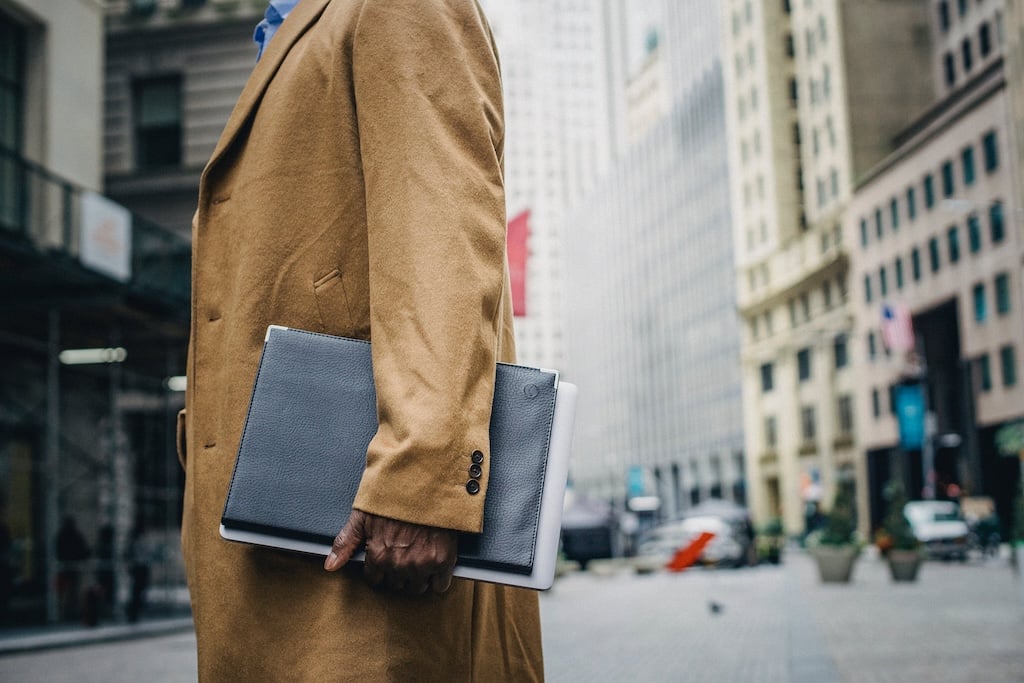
732 545
940 527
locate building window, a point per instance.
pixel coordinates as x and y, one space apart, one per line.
786 7
1002 284
879 230
790 45
805 306
157 122
974 232
929 191
845 406
944 15
894 210
968 54
1008 364
933 253
791 304
876 404
803 364
984 39
872 348
980 308
807 426
863 233
840 352
793 90
883 282
899 273
954 244
826 294
867 288
911 204
985 371
767 379
991 151
995 219
12 75
962 6
915 264
771 432
949 62
967 158
834 182
947 179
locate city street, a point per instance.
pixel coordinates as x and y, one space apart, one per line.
958 623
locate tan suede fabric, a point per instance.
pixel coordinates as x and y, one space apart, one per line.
357 190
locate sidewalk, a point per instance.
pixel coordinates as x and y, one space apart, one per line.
37 639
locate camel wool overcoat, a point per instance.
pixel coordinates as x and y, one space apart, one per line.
357 190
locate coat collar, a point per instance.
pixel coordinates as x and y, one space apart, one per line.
305 14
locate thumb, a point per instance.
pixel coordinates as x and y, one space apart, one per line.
346 542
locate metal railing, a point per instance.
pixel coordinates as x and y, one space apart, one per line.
41 211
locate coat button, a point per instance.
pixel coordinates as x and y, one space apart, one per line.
473 487
475 471
477 457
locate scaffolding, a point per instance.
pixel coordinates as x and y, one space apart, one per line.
90 488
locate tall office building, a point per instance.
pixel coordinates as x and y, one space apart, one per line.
935 235
653 336
559 63
807 113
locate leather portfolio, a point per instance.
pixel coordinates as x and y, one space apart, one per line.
311 417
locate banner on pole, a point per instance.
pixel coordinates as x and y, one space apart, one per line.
911 415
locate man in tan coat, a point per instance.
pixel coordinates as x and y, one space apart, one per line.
357 190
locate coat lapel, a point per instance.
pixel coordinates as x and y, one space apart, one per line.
301 18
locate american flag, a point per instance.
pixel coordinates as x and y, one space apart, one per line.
897 328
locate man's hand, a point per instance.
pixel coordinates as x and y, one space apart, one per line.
404 557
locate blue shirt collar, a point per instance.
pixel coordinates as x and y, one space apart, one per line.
276 13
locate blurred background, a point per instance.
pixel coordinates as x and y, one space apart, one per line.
779 245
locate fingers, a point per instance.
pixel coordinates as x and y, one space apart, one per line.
346 542
400 557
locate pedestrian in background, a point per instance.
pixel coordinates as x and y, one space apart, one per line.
72 549
357 190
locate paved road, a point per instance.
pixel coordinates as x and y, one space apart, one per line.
958 623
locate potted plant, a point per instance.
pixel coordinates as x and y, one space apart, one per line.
903 550
770 540
836 548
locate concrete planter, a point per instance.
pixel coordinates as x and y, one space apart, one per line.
904 564
835 562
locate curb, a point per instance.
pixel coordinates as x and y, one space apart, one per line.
52 640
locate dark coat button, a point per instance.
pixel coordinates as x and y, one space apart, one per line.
477 457
475 471
473 487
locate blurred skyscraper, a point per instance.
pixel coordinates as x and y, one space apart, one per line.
652 331
562 62
815 92
870 156
935 229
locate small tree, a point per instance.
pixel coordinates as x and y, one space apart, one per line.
897 528
841 520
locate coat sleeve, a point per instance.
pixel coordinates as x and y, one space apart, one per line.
430 123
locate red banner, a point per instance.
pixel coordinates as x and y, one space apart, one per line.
518 232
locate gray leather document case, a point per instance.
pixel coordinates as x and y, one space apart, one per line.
303 451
